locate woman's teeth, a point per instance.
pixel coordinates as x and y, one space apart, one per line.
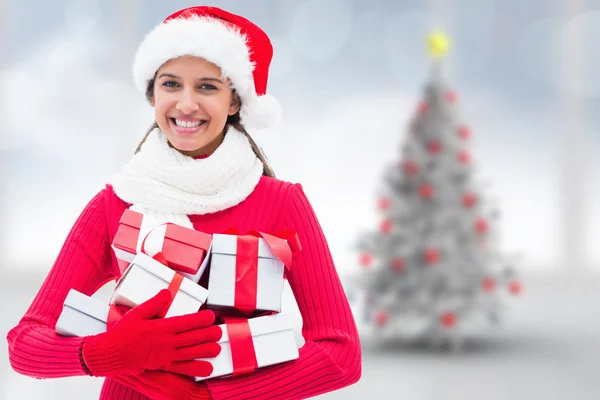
187 124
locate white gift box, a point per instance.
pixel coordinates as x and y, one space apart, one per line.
273 339
222 275
289 308
82 316
145 277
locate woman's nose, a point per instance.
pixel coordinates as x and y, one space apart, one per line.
187 103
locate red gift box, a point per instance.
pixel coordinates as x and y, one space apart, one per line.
183 249
126 239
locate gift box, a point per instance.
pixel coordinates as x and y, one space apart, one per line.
182 249
82 316
289 308
253 343
145 277
245 274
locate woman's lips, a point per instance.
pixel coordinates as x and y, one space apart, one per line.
190 126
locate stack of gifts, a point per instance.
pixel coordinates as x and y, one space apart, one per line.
246 286
247 276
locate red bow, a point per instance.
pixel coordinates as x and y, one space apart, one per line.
282 243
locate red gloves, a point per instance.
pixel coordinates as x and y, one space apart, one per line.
160 385
138 342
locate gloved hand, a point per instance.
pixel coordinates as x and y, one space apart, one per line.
159 385
138 342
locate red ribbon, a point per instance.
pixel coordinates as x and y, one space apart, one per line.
243 354
174 286
160 257
115 313
246 273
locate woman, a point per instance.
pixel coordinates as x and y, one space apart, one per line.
205 72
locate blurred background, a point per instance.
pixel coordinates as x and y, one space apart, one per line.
349 75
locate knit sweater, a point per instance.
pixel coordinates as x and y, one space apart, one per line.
329 360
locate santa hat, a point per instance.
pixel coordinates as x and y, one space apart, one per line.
241 49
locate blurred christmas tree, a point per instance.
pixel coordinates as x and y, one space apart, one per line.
432 270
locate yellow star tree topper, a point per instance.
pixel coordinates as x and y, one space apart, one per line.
438 44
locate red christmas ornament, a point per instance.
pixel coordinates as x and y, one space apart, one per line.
386 226
398 264
365 260
432 256
410 168
448 319
488 284
481 225
423 107
464 132
451 96
464 157
434 147
515 288
384 203
469 200
426 191
381 318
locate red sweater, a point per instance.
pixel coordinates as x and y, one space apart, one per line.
330 359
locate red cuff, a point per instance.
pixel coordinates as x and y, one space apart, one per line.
84 366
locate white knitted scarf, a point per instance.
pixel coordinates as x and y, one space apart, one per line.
161 182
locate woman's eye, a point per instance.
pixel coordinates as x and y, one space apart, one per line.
170 84
207 86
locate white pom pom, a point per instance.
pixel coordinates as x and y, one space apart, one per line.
260 112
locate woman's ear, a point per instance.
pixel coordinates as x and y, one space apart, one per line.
152 100
235 105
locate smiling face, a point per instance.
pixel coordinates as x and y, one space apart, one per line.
191 104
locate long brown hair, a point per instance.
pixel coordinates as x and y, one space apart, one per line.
232 120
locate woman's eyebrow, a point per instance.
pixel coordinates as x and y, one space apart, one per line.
166 74
206 78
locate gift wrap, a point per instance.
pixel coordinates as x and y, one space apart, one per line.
145 277
244 275
248 344
183 249
82 315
